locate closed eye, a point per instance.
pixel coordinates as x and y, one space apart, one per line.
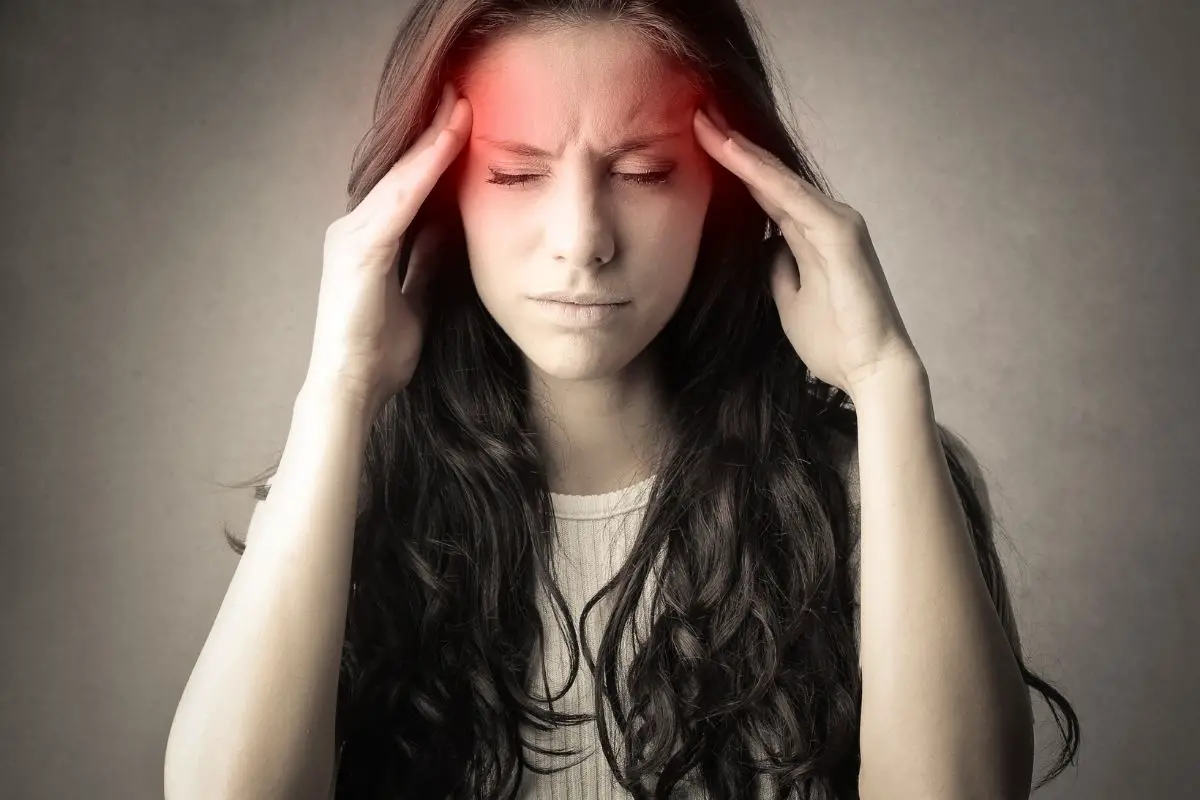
640 178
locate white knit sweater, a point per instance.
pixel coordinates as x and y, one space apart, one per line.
596 533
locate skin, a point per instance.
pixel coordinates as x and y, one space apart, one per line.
582 224
945 711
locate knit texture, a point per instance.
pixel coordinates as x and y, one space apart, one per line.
596 533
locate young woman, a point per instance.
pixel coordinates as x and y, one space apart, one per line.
604 413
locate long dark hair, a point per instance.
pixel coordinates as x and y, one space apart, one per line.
754 640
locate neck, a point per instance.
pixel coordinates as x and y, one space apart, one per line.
598 435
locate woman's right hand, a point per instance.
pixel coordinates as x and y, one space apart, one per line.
369 330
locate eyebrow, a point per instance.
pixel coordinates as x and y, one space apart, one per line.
628 146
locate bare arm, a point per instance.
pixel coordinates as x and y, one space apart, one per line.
256 718
945 712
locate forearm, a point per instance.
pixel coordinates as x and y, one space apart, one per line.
945 711
256 716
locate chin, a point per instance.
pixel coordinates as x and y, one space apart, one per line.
574 365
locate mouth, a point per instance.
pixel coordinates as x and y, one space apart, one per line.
580 314
582 305
582 298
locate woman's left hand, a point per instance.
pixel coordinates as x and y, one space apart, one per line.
833 299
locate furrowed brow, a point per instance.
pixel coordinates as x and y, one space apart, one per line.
628 146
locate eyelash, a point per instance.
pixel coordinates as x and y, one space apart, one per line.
639 178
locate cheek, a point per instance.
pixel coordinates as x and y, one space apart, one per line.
488 232
665 272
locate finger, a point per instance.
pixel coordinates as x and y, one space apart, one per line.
780 190
801 246
400 192
712 137
419 272
394 201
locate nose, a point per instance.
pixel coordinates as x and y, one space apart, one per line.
580 231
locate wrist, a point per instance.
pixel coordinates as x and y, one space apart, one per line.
325 397
899 375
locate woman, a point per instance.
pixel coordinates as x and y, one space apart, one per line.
673 470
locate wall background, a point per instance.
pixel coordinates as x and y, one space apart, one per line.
1029 173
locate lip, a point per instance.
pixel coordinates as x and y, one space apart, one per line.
583 298
580 314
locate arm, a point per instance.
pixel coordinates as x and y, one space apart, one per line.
256 718
945 710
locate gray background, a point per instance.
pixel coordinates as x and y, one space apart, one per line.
1029 174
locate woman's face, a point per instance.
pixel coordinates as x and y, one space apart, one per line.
584 217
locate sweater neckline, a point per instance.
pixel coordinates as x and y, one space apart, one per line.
602 506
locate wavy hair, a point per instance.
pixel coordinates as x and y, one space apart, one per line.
750 668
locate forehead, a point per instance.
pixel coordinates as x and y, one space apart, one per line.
574 80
